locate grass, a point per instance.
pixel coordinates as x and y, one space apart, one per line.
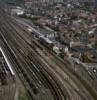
22 97
22 94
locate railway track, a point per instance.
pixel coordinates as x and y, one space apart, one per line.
34 71
57 60
36 58
51 86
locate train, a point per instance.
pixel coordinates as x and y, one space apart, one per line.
44 40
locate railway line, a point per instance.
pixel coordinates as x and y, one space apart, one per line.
54 84
59 63
7 81
36 74
42 74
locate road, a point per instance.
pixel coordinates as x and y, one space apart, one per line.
44 74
